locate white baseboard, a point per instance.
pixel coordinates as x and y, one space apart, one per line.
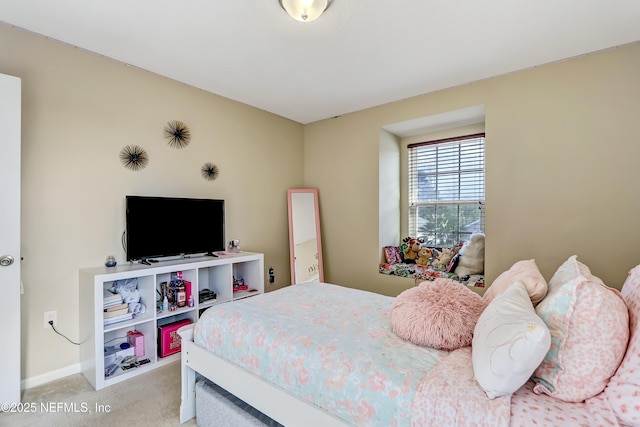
50 376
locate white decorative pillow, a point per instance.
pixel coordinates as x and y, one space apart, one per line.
509 342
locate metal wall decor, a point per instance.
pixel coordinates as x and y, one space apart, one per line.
209 171
177 134
134 157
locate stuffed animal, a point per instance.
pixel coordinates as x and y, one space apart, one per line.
456 248
424 255
471 260
411 249
444 258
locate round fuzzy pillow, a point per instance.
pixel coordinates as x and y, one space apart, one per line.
440 314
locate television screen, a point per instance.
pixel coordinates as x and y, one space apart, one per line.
166 226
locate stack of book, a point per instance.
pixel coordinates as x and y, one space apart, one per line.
114 309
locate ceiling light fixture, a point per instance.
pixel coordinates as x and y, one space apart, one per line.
305 10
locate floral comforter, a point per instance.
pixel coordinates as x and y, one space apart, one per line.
328 344
333 347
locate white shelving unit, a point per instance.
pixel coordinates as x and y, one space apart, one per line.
211 273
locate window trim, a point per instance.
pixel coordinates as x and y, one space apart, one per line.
452 139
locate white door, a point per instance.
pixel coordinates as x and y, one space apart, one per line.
10 238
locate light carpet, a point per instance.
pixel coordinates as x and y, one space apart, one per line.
150 399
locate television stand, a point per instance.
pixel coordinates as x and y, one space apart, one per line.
211 254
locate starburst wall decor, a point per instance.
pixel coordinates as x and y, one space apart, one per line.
177 134
209 171
134 157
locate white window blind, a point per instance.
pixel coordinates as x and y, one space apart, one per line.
446 189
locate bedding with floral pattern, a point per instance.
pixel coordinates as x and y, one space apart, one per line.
334 347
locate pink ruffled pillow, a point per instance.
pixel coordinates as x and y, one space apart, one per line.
623 390
440 314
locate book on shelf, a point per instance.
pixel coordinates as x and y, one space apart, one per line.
116 307
116 313
109 298
116 319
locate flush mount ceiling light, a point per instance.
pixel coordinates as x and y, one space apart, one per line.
305 10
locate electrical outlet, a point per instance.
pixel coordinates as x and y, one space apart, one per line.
48 316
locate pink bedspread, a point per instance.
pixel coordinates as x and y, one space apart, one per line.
449 396
530 409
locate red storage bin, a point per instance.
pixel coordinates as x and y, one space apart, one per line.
168 338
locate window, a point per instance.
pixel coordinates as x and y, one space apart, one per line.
446 189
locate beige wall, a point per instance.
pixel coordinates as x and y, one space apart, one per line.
562 170
79 110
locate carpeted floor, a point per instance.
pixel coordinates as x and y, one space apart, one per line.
151 399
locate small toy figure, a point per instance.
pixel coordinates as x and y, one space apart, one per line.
238 285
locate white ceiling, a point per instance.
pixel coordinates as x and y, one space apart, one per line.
359 54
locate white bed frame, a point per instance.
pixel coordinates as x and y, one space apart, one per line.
266 397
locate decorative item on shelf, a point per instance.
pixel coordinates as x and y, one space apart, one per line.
238 284
111 261
177 134
234 246
134 157
205 295
136 340
209 171
181 294
168 338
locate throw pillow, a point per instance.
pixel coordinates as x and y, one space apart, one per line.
439 314
471 260
525 271
509 342
623 391
589 326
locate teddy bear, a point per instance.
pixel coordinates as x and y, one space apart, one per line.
424 254
444 258
410 249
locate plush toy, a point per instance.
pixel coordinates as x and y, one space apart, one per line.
471 260
456 249
411 249
424 254
444 258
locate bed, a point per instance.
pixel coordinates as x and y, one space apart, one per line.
320 354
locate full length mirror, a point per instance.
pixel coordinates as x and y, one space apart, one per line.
304 236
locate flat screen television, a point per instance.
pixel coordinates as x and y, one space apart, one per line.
170 226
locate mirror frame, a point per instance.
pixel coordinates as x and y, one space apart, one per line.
292 256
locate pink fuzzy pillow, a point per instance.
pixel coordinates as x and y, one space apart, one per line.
440 314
